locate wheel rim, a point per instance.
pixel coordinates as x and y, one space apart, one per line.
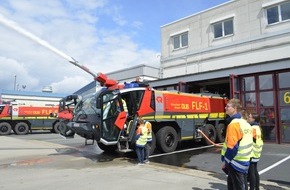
4 129
169 140
22 128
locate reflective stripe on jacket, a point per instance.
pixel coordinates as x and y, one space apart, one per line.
238 145
258 144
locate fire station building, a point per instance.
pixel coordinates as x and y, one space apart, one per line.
239 49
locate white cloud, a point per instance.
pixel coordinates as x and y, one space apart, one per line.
71 84
72 26
13 75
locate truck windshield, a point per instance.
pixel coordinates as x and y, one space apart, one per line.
87 105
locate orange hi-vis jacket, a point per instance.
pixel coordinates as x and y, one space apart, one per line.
238 145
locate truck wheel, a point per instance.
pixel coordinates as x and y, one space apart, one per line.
210 132
64 129
21 128
220 132
57 126
107 148
5 128
167 139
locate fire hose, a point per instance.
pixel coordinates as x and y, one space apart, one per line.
224 168
208 139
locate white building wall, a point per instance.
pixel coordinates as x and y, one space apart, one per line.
253 41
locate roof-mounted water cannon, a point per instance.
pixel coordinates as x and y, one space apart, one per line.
105 81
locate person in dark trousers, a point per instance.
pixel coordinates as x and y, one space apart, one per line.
141 140
237 148
253 174
149 141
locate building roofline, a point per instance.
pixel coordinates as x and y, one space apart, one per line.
133 67
29 93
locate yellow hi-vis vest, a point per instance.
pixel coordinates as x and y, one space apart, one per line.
143 136
245 145
258 145
125 106
148 125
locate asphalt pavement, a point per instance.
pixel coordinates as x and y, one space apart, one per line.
34 165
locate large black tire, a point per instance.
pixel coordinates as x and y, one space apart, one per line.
167 139
21 128
64 129
57 127
220 130
107 148
210 132
5 128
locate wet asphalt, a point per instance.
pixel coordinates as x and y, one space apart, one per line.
66 164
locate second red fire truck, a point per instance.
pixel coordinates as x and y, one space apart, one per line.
21 119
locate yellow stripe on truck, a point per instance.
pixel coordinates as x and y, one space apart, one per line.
21 118
187 116
187 138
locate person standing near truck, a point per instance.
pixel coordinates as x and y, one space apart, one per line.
237 148
148 125
141 141
253 174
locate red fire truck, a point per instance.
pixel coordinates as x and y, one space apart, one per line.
175 116
22 119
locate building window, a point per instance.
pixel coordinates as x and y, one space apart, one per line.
248 84
265 82
284 80
223 28
180 40
278 13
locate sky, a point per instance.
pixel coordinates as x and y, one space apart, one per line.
102 35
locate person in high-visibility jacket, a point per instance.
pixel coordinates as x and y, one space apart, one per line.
253 174
141 141
237 148
148 125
